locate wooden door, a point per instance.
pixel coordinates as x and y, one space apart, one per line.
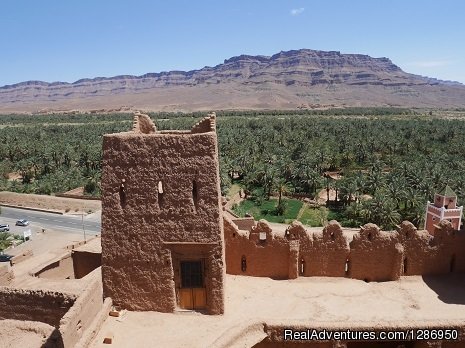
192 294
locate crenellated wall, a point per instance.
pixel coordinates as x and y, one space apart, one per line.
370 254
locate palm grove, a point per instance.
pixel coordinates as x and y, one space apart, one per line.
390 165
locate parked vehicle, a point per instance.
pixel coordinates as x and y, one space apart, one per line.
6 258
22 222
4 227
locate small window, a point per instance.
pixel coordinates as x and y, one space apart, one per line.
434 219
243 264
369 236
160 194
302 267
194 194
332 236
405 266
122 193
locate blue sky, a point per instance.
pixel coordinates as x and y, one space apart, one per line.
65 40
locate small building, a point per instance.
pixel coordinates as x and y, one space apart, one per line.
444 207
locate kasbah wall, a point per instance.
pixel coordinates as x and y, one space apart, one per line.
161 207
372 255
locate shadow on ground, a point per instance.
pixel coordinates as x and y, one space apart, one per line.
450 288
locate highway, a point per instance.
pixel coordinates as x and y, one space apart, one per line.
64 223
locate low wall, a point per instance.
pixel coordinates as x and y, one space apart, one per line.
372 255
79 318
34 305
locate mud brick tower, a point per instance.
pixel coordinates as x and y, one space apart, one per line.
444 207
162 227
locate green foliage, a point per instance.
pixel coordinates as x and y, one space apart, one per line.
396 156
268 209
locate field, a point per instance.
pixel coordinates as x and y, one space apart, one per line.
398 158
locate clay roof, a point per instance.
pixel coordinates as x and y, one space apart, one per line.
447 192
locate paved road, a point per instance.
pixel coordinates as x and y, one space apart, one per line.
38 219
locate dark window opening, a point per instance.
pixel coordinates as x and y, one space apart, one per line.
302 267
160 194
191 274
243 264
332 235
234 235
369 236
122 193
452 264
366 280
405 267
195 194
446 206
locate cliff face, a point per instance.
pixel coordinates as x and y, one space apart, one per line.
299 78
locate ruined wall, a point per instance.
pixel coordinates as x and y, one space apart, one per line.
160 192
34 305
372 255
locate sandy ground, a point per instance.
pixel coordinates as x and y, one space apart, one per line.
310 302
68 205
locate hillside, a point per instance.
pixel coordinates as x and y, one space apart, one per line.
294 79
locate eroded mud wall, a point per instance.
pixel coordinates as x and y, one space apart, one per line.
34 305
372 255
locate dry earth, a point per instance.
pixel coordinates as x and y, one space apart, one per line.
305 302
68 205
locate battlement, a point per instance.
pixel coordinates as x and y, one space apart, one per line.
369 254
143 124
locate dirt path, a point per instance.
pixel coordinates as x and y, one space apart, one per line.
301 211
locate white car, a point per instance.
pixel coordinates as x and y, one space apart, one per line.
22 222
4 227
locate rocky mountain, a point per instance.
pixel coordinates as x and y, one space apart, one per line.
294 79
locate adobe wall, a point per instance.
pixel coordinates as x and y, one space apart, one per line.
326 253
372 255
375 255
82 314
258 258
144 230
34 305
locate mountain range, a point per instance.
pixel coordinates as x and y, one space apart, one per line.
287 80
